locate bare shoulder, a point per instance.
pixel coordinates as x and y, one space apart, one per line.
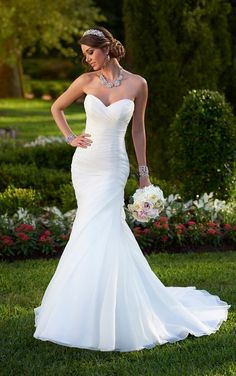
139 85
84 79
141 81
76 90
137 79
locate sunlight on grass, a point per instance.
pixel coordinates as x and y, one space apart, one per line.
32 117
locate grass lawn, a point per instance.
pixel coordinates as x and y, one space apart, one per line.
23 284
32 117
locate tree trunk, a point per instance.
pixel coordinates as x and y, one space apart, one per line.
11 81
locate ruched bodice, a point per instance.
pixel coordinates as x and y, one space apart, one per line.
103 294
107 126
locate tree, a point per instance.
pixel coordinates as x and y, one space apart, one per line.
31 24
230 75
176 46
113 13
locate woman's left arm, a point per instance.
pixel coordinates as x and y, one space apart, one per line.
138 129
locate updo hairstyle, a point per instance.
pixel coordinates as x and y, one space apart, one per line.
116 48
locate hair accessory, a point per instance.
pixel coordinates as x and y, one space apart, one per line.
96 32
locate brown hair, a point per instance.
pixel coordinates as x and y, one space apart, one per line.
116 48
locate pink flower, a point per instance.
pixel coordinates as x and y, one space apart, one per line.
191 223
227 226
234 228
137 231
7 240
146 230
64 237
23 236
180 228
24 227
47 233
157 224
164 238
211 224
142 214
165 226
163 219
45 239
211 231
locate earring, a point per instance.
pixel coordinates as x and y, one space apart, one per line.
107 59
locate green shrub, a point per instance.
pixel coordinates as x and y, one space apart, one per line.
54 156
37 88
202 145
167 187
130 188
53 88
52 68
47 181
13 198
67 198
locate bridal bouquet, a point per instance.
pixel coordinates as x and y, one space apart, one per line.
148 202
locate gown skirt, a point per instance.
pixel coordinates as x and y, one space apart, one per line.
104 295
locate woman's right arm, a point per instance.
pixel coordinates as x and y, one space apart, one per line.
74 91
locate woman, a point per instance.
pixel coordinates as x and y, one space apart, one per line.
104 295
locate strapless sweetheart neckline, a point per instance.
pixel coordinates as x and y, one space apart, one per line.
111 104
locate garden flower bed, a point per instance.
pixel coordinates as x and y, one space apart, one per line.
164 235
25 236
202 224
196 225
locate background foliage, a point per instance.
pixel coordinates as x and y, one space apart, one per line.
180 46
30 25
203 145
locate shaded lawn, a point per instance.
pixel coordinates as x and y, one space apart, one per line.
32 117
22 287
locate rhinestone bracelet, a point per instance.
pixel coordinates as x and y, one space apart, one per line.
143 171
69 138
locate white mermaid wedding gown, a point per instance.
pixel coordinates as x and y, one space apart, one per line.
104 295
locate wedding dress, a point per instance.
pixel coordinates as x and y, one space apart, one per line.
104 295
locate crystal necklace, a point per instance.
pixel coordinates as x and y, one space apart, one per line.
113 83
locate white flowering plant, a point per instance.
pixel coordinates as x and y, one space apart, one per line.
45 140
148 203
203 208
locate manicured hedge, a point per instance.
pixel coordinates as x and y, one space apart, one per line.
203 145
54 156
47 182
